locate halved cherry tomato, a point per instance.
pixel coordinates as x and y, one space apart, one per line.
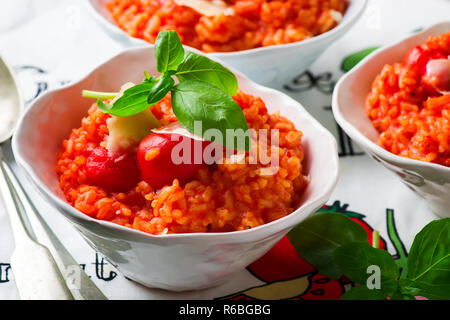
159 166
112 171
419 56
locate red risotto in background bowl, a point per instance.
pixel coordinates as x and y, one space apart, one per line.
219 197
233 25
409 103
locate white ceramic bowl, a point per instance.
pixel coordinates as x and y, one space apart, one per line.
175 261
272 66
430 181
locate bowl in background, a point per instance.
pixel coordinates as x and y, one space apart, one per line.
430 181
174 261
272 66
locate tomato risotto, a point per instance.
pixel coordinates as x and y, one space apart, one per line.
244 25
409 103
220 197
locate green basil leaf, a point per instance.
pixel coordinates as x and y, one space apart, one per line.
401 295
416 289
169 51
133 100
409 288
103 106
160 90
352 60
198 67
354 260
429 260
200 101
363 293
318 237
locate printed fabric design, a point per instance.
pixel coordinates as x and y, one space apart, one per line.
288 276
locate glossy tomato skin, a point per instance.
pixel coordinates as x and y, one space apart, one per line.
161 169
112 171
419 57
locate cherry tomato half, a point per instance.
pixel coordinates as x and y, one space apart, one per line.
163 157
112 171
419 57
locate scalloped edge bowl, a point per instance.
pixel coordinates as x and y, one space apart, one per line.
430 181
174 261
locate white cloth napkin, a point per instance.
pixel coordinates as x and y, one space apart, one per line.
51 42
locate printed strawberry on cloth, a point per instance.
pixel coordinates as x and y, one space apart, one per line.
60 42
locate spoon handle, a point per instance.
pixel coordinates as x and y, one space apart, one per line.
35 272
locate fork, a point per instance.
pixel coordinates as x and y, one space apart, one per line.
42 266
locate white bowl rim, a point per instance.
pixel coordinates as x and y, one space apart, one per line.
355 133
196 235
310 41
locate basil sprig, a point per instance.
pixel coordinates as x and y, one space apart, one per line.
197 67
133 100
203 93
200 101
169 51
338 246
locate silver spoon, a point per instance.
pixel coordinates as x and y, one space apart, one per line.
39 259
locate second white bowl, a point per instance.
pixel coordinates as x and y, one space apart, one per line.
430 181
272 66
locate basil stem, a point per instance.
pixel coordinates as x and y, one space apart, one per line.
98 94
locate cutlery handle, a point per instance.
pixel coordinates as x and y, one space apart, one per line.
36 275
79 284
20 233
35 272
